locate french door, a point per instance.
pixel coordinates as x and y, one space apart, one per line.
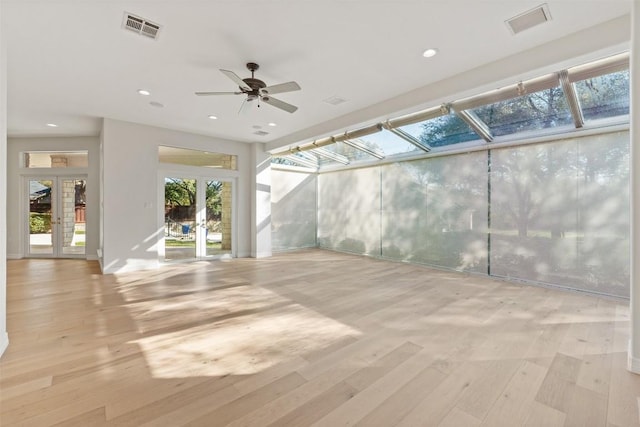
197 218
56 217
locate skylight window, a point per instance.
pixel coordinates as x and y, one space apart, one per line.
441 131
562 100
604 96
389 143
540 110
351 153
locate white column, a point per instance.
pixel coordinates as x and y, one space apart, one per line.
634 341
261 202
4 338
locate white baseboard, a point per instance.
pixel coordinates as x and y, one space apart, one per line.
633 363
4 342
14 256
92 258
261 254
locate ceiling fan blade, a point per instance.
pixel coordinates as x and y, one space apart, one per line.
218 93
242 106
279 104
233 76
281 88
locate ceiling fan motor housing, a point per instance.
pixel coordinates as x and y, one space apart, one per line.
254 84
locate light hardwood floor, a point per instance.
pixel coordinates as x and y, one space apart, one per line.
307 338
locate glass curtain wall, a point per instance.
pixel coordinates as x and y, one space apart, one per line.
559 212
349 210
434 211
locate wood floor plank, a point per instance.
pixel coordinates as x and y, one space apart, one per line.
436 404
623 407
478 398
198 407
247 402
542 415
367 400
94 418
458 418
311 411
400 403
586 407
514 405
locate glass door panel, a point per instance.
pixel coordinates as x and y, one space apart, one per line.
218 218
41 223
72 219
180 197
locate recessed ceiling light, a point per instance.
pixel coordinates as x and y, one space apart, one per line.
156 104
144 92
430 52
52 125
212 117
272 124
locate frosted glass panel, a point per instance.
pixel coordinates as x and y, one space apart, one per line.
603 187
293 209
435 211
349 211
559 213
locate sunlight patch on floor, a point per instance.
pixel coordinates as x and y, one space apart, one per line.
241 345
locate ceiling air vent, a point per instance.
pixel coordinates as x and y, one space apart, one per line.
140 25
335 100
261 133
529 19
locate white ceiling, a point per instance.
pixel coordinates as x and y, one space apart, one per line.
71 62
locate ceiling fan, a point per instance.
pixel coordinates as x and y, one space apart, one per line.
256 89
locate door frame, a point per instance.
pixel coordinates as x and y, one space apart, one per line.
56 199
201 175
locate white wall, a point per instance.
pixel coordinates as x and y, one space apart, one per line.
130 193
4 338
260 202
16 222
294 208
